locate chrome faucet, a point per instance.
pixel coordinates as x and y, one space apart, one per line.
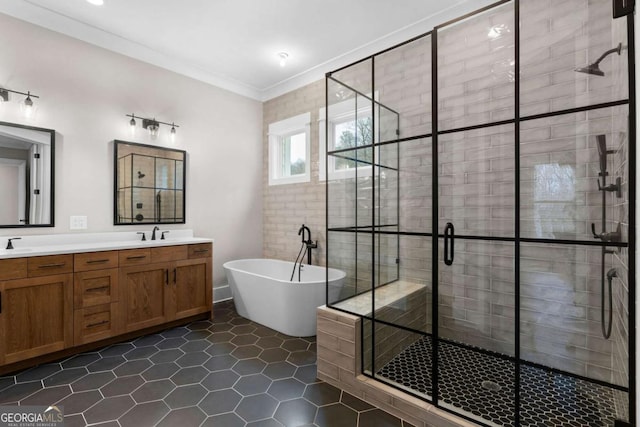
153 235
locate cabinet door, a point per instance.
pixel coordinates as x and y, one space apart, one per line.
192 281
36 316
145 294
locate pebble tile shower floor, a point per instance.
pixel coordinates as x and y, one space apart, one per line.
548 399
226 373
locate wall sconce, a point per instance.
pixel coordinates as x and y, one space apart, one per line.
152 125
26 106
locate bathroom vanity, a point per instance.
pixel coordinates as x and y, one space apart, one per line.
57 300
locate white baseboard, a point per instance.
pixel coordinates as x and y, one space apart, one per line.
221 293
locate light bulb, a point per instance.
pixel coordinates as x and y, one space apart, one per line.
28 106
132 125
153 130
283 58
172 135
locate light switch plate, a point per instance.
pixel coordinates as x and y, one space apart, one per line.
77 222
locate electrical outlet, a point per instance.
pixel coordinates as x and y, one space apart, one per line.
77 222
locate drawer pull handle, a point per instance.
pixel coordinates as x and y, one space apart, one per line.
93 325
97 261
200 251
60 264
137 257
101 288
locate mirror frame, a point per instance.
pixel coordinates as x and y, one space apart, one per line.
52 134
117 142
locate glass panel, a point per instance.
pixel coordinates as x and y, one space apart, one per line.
477 181
179 205
477 296
165 173
143 171
559 38
403 84
476 311
401 358
165 205
293 152
341 253
356 77
563 289
179 175
144 202
560 166
405 301
476 76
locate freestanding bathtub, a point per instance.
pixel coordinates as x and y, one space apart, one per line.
262 292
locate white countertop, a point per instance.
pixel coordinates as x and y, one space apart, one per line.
57 244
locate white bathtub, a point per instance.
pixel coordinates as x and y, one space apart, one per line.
263 293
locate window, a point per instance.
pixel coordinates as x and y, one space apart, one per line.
289 150
348 128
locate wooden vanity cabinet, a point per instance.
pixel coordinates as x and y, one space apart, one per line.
36 310
170 287
49 304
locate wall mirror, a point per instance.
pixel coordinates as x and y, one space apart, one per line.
26 176
149 184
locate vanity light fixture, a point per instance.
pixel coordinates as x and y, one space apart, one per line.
26 106
152 125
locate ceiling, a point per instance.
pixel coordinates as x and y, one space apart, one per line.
234 43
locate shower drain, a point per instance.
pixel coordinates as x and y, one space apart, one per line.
491 386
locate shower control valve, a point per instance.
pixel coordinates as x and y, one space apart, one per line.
617 187
612 236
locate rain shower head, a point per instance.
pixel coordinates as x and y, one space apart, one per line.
602 153
594 69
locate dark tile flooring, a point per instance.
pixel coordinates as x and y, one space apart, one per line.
226 373
482 385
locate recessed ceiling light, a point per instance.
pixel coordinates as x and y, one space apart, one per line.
96 2
283 58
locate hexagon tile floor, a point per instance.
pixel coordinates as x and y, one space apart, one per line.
226 373
482 385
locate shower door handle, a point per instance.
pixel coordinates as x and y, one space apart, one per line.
449 242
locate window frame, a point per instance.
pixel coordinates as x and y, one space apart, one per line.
340 113
277 132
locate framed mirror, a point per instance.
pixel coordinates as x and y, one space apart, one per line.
27 160
149 184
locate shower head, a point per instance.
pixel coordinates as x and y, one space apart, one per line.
594 69
602 153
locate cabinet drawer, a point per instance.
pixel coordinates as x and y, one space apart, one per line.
202 250
95 287
14 268
134 257
95 261
50 265
168 253
95 323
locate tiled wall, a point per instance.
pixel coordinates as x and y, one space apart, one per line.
287 207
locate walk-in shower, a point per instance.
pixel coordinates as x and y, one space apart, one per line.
481 199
